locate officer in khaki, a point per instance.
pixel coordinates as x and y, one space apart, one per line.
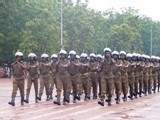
107 81
54 61
32 69
45 76
73 70
124 74
99 60
84 74
18 81
117 76
131 74
93 69
62 78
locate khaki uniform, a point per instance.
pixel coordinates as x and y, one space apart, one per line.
53 81
18 81
155 75
73 70
33 78
63 79
107 79
140 65
150 80
45 77
84 77
146 77
117 77
93 68
124 77
131 77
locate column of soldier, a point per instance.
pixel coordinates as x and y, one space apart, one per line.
131 75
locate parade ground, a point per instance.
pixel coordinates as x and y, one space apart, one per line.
144 108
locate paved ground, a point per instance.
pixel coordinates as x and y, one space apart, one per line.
145 108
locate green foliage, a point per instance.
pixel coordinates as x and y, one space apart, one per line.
34 26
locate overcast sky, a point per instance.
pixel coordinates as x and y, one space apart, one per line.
150 8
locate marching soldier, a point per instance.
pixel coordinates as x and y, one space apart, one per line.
107 81
18 70
84 75
93 68
124 75
117 76
62 78
45 76
73 70
54 60
32 69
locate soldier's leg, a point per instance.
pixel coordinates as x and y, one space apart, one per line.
41 88
29 84
155 83
21 88
14 92
89 87
85 86
117 90
74 85
125 89
110 87
65 89
46 83
36 89
149 85
131 88
103 91
59 90
51 87
95 85
140 86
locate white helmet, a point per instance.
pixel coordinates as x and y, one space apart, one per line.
129 55
92 55
44 55
115 53
72 52
32 55
54 56
135 55
77 56
84 55
62 52
19 54
99 56
123 52
107 49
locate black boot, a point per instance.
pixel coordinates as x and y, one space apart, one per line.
131 96
12 102
101 102
58 102
51 97
109 102
47 99
124 98
85 98
27 99
36 100
64 101
39 98
89 97
94 96
117 100
68 99
74 99
78 97
22 101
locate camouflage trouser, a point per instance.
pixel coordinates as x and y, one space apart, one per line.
74 84
94 82
29 84
131 81
18 84
155 79
85 81
62 83
140 84
99 83
107 87
150 81
136 84
52 83
145 84
44 82
125 86
118 86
